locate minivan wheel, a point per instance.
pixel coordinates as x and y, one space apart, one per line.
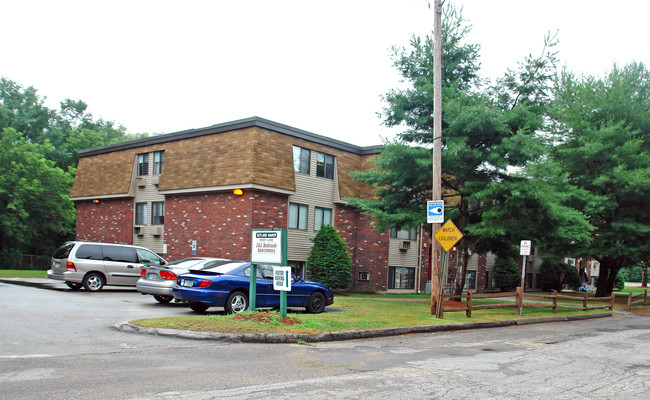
73 285
93 282
163 299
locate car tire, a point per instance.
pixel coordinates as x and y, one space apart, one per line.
163 299
74 285
93 282
316 303
237 302
199 307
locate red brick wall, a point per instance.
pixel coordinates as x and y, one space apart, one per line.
110 220
221 223
368 249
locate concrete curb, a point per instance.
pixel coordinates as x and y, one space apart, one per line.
343 335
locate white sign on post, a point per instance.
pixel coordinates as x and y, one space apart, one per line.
524 248
282 278
267 247
435 211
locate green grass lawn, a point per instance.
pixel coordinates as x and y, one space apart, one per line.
20 273
352 313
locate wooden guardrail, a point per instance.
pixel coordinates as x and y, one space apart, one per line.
543 301
631 296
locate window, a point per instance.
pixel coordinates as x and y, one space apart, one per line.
298 268
298 216
143 164
406 234
158 157
157 213
322 216
325 165
364 276
89 252
401 278
147 257
141 213
119 254
470 280
301 160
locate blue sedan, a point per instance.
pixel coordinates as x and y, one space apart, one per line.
227 286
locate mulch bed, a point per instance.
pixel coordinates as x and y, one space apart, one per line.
266 317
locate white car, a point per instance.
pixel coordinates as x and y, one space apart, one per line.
160 280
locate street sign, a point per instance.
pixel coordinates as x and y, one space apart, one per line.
282 278
266 247
435 211
524 248
448 235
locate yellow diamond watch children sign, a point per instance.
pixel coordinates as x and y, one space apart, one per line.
448 235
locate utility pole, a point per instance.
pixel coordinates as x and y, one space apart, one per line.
437 291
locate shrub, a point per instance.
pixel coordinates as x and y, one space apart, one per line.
506 274
558 275
619 282
329 261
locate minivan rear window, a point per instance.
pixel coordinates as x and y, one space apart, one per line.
63 251
119 253
89 252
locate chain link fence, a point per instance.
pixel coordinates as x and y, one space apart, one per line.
20 261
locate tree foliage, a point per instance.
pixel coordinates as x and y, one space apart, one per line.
602 147
37 165
36 213
487 137
329 261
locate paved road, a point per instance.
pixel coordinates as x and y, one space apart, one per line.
59 344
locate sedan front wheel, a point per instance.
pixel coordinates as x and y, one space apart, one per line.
316 303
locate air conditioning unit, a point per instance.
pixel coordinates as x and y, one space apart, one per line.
155 179
404 245
157 230
141 181
138 230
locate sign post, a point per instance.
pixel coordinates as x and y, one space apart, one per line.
268 246
524 250
282 283
447 236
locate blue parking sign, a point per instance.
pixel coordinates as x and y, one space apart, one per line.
435 211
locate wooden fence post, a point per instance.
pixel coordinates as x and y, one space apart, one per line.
468 313
554 300
629 302
611 301
584 302
645 297
519 300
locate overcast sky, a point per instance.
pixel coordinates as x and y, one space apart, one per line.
165 66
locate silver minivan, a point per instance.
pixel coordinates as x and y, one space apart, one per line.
93 265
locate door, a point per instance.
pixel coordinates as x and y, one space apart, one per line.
121 265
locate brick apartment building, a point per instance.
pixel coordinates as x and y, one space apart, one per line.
173 191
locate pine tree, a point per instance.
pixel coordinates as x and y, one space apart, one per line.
329 261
